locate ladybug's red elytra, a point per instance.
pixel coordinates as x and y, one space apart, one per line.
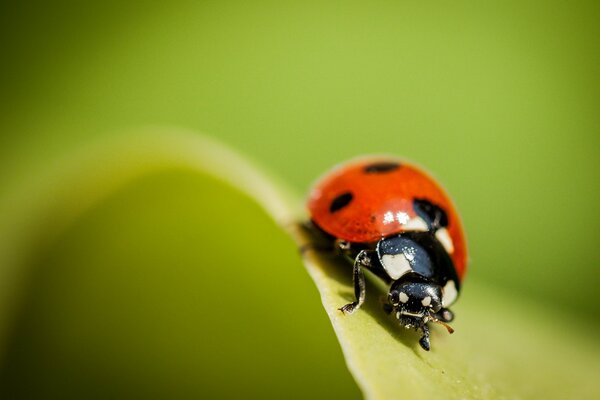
392 218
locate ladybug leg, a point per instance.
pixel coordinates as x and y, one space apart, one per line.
387 308
363 259
315 239
424 341
316 247
342 246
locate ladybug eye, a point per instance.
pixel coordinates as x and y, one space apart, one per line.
340 202
381 167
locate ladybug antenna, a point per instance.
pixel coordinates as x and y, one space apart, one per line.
445 325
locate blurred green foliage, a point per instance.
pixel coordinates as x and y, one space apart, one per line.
499 100
157 293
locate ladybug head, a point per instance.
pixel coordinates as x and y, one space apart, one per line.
415 301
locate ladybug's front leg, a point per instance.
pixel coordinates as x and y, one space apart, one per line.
363 259
424 341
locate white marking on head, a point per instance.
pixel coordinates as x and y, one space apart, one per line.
416 224
426 301
444 238
450 294
403 297
398 314
396 265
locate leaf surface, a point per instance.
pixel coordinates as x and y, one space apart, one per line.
504 346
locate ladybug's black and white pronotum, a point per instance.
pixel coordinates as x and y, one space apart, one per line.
393 219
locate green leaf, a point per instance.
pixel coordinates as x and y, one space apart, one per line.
503 346
139 269
152 267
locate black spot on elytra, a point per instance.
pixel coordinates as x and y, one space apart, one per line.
381 167
434 215
340 202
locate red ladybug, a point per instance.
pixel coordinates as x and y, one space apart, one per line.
392 218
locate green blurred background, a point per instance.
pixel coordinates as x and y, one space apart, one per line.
499 101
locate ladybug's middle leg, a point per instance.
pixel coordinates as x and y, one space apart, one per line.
362 260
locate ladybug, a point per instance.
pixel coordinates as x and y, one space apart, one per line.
392 218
